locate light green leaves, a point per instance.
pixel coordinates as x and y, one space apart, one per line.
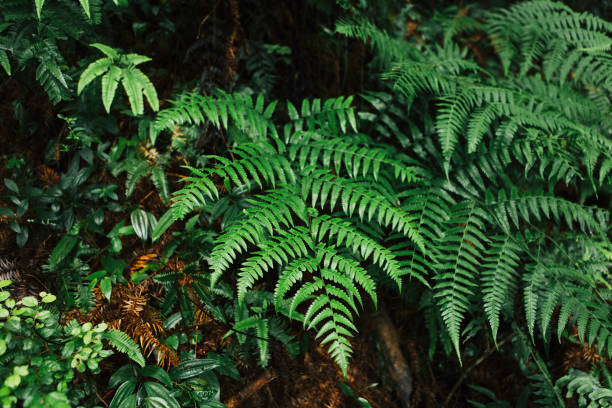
85 5
143 223
110 82
39 5
4 62
116 68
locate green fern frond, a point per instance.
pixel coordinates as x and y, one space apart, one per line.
278 250
459 265
499 278
256 162
324 188
533 206
194 109
357 160
390 49
269 213
343 233
124 344
334 114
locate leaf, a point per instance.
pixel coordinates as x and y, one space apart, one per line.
124 344
61 250
163 224
85 5
156 372
93 70
39 5
133 90
110 81
148 88
108 51
140 221
159 179
5 63
123 393
159 396
106 287
194 368
11 185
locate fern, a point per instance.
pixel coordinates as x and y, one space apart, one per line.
124 344
459 265
499 279
301 228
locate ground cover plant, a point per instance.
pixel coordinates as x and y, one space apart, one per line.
318 203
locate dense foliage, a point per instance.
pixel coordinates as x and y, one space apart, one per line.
451 167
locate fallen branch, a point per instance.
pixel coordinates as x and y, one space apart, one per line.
396 363
235 401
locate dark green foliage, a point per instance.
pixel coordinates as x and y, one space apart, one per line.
468 183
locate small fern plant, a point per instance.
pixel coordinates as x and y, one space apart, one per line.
321 200
115 68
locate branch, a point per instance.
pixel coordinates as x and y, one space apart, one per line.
235 401
396 363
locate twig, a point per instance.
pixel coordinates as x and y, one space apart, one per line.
235 401
101 399
476 363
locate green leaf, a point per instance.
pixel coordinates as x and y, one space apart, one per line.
156 372
124 392
11 185
12 381
147 88
194 368
159 396
163 224
159 179
110 81
39 5
29 301
133 90
61 250
93 70
106 287
4 62
140 221
57 400
108 51
85 5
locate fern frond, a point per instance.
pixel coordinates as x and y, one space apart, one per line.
124 344
499 278
530 206
324 188
269 213
256 162
342 232
278 250
357 160
334 114
194 109
459 265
